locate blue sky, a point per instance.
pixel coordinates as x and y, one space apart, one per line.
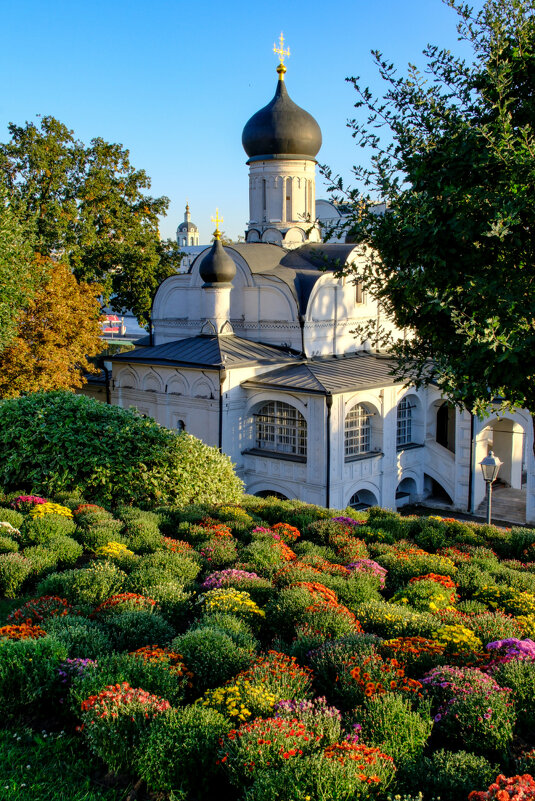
175 81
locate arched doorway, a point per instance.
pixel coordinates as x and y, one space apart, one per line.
362 499
406 492
271 494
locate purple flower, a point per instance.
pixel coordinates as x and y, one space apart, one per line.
348 521
225 578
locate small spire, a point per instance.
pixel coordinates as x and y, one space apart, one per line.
187 215
217 219
281 53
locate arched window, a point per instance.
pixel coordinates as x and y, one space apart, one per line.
280 428
358 430
271 494
404 426
362 499
446 426
180 425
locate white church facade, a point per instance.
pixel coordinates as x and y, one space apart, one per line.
252 351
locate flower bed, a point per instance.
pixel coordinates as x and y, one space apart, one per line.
296 655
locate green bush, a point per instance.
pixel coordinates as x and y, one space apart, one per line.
519 675
174 602
238 630
158 568
14 570
211 655
88 586
154 677
390 723
391 620
83 638
28 672
42 560
133 629
179 752
40 530
12 517
96 536
59 441
7 545
452 775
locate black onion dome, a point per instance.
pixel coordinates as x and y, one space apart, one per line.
217 267
281 128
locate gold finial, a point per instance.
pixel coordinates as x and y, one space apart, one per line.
217 219
281 53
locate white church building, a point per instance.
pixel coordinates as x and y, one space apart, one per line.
252 351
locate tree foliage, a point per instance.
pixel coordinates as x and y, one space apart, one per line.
452 258
89 205
17 271
52 441
58 329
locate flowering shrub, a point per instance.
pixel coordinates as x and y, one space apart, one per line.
369 568
214 528
417 654
240 700
474 710
218 552
286 532
512 648
124 601
370 765
113 550
263 743
226 578
281 675
228 599
457 638
508 599
25 503
319 591
527 623
328 620
114 719
38 609
515 788
426 595
316 714
389 721
387 620
234 513
348 548
22 631
48 508
348 521
176 546
170 660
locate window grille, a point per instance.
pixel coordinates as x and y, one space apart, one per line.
358 431
281 428
404 425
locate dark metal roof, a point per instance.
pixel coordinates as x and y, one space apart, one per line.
281 128
330 375
299 269
209 351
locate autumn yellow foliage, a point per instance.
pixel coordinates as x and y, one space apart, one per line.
57 332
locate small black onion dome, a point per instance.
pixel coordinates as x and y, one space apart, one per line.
217 267
281 128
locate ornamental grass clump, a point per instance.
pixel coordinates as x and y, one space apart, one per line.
113 722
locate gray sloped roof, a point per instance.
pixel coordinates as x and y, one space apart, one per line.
299 269
329 375
208 352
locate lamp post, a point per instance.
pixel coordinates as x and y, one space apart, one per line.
490 466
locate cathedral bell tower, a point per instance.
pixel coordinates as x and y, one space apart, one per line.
282 141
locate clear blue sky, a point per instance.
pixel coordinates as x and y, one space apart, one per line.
176 81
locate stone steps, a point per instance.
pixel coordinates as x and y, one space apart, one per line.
508 505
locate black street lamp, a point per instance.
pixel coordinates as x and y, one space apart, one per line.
490 466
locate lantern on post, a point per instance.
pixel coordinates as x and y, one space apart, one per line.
490 467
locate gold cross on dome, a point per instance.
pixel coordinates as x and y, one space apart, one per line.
280 51
217 219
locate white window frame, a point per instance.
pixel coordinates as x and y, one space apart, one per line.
357 431
280 428
404 423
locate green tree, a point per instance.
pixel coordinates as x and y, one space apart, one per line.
452 257
88 204
18 272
